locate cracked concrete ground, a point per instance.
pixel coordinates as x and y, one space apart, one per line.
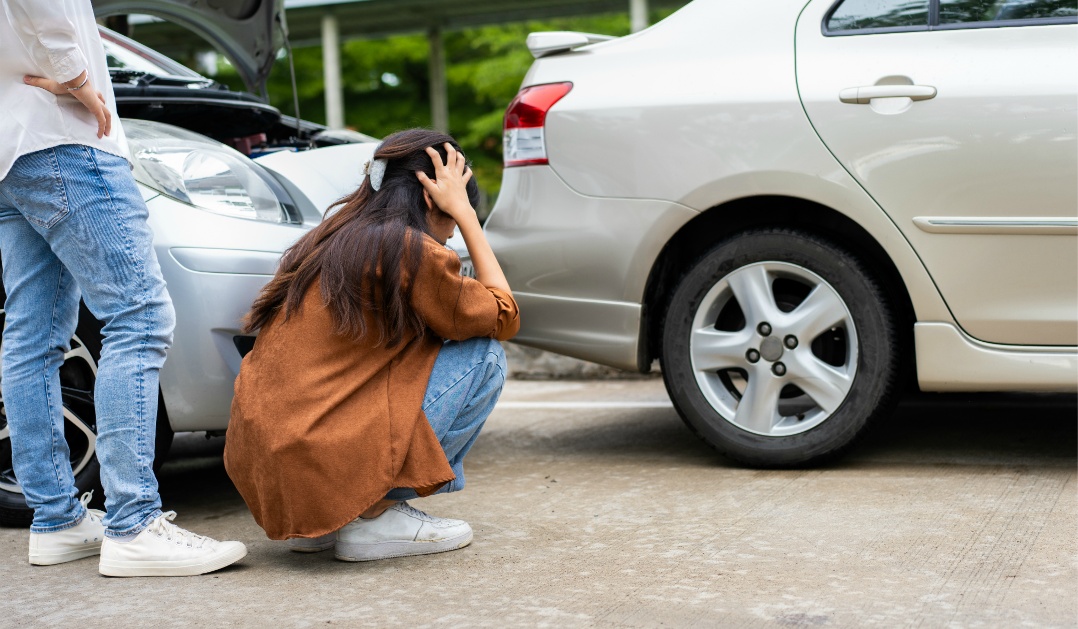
593 506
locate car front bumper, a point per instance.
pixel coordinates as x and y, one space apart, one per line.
214 266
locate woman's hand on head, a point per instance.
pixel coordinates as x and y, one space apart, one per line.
448 190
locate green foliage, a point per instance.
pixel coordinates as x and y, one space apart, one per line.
386 84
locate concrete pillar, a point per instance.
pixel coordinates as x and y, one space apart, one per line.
331 72
638 15
439 99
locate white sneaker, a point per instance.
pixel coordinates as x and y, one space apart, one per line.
82 540
401 531
163 549
313 544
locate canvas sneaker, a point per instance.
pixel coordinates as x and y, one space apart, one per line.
82 540
163 549
313 544
401 531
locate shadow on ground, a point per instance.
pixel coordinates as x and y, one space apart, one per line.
943 430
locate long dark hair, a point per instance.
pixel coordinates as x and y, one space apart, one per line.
364 249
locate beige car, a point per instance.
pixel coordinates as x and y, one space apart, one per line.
798 207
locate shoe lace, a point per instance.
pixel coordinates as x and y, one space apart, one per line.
408 509
94 514
163 526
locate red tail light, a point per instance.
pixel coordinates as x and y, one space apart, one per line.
524 142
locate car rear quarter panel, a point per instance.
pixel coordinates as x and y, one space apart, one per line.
700 110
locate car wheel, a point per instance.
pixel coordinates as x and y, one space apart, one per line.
77 377
779 349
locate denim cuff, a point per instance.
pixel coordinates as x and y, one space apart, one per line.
60 527
130 533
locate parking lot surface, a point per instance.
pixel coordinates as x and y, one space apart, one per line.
593 505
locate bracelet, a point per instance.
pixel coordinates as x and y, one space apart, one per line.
79 87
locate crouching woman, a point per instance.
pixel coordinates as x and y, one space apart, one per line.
376 363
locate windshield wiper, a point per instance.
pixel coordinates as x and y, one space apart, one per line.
144 79
122 75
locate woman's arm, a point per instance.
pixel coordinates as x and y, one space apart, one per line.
457 307
448 192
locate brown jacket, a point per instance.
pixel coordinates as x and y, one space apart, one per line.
324 425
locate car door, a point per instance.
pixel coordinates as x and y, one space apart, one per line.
959 118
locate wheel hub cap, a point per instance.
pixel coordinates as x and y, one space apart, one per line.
771 349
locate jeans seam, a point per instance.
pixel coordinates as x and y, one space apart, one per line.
464 375
49 393
455 383
58 179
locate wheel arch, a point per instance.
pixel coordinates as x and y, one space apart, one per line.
699 235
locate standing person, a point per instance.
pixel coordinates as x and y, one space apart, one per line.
72 221
376 363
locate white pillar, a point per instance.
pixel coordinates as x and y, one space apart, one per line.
439 100
638 15
331 72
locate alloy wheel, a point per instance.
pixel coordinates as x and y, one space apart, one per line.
773 348
77 376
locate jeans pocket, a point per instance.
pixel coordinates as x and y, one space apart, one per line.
39 189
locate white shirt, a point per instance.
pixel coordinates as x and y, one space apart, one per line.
56 39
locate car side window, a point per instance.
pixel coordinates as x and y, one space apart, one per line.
972 11
863 15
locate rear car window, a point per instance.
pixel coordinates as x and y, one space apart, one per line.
858 15
971 11
854 17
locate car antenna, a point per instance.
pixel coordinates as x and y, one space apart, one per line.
291 72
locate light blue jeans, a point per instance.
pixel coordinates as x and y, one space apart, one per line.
72 221
464 386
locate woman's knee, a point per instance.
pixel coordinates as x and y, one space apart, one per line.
493 355
482 350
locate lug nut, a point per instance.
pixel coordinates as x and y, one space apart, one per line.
764 328
791 341
779 369
752 355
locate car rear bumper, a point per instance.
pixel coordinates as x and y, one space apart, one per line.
579 264
605 332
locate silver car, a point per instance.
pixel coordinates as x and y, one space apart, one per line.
798 208
221 220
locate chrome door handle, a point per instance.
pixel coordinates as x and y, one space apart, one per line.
863 95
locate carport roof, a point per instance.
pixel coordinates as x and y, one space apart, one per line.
373 18
380 18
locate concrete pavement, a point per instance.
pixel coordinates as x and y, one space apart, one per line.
593 506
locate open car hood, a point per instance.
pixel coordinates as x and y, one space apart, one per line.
248 32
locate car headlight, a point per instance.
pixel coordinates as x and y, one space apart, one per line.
206 174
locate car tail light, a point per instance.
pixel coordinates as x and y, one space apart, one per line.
524 143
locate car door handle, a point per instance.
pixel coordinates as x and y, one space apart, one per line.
863 95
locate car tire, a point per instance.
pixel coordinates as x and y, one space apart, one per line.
77 378
779 348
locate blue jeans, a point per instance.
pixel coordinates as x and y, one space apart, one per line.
464 386
72 222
